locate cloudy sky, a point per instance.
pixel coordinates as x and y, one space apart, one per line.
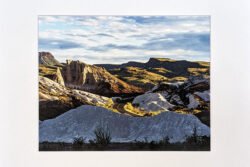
119 39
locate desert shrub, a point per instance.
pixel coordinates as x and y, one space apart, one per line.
195 139
139 144
164 141
204 140
102 135
145 140
153 145
78 141
142 143
92 142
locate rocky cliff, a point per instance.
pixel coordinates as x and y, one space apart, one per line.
51 72
55 99
95 79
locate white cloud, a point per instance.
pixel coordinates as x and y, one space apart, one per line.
96 32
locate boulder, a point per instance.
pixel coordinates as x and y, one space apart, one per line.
152 102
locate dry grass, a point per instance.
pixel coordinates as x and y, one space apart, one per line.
198 71
134 110
138 77
44 70
178 79
165 59
128 109
160 70
205 64
187 111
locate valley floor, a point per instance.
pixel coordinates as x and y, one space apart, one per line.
124 147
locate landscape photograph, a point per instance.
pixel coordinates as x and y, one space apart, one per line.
124 83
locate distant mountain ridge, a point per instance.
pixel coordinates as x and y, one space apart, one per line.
156 70
177 66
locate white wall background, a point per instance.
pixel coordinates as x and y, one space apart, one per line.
230 38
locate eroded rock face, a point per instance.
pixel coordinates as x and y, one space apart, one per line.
79 75
49 67
53 73
83 120
55 99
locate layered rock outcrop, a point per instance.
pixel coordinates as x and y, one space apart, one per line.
50 68
55 99
95 79
51 72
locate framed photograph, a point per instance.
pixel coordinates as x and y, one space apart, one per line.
123 83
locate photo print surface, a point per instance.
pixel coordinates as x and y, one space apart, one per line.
124 83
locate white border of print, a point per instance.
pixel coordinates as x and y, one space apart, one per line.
230 83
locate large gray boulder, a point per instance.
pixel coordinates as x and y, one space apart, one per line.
82 121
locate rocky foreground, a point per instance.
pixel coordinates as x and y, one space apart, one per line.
82 122
55 99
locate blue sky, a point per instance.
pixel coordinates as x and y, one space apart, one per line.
119 39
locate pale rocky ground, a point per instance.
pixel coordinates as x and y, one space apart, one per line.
82 121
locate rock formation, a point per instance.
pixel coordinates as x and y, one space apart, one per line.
95 79
157 69
82 121
152 102
46 58
55 99
51 72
